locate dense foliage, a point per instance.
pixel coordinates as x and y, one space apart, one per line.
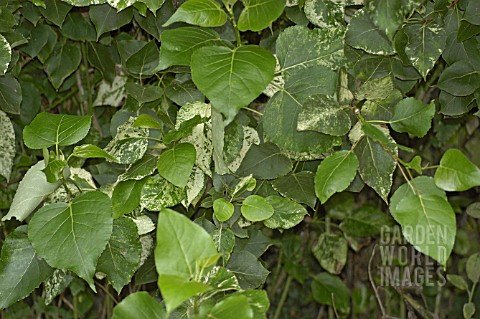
239 159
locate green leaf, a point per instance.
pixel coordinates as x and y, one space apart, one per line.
457 281
473 267
231 79
232 307
259 14
413 116
298 187
5 55
126 196
55 11
425 44
326 14
143 93
363 34
364 222
331 290
10 94
178 44
176 290
256 208
323 114
105 18
376 89
100 57
265 162
456 172
48 129
459 79
64 61
54 170
176 164
31 191
121 257
91 151
78 28
158 193
335 174
80 231
223 209
182 92
176 253
7 145
129 144
331 252
147 121
142 168
249 270
21 269
205 13
286 213
423 211
184 129
139 305
143 62
258 300
376 165
468 310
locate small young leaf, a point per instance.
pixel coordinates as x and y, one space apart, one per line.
335 173
456 173
147 121
468 310
232 307
223 210
176 164
457 281
256 208
48 129
473 268
205 13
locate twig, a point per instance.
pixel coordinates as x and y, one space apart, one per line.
375 290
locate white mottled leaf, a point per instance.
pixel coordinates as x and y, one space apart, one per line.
7 145
201 136
250 137
195 186
5 54
129 144
158 193
111 94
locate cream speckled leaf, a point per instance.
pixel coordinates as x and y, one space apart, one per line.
201 136
129 144
363 34
56 284
158 193
250 137
195 186
376 165
111 94
323 114
5 54
7 145
425 44
287 213
325 13
376 89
